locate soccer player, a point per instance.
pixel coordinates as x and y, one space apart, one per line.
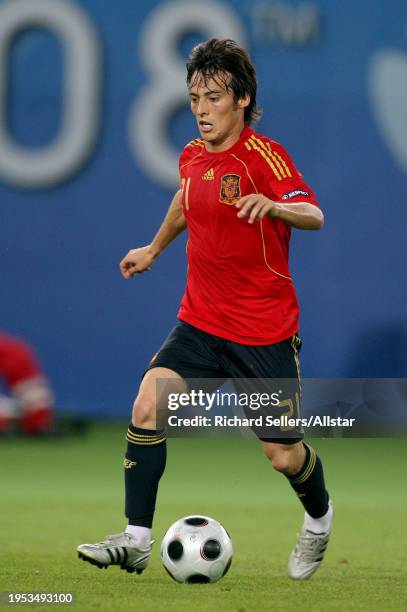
240 196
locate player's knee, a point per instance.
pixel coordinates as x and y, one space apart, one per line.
281 463
282 458
143 414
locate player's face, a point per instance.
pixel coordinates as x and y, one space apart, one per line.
220 119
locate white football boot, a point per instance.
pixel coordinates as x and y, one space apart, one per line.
309 552
120 549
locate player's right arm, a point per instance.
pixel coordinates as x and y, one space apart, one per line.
140 260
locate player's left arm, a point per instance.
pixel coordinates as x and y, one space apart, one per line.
282 192
302 215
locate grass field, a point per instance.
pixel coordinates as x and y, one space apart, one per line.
57 494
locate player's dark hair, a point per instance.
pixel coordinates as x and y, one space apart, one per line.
228 64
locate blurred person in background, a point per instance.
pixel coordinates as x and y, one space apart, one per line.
26 399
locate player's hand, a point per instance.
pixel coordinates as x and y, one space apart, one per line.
255 206
137 261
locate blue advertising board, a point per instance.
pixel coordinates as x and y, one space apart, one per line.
93 114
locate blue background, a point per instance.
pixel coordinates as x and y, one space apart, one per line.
60 247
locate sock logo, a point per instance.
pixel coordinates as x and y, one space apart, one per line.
127 464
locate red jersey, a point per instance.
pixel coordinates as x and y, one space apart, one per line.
238 282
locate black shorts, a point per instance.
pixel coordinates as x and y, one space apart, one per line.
195 354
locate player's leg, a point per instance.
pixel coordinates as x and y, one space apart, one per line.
186 353
145 457
144 464
257 369
303 468
262 365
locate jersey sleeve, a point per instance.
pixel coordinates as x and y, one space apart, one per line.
277 176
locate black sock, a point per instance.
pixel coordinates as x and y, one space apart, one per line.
144 465
309 484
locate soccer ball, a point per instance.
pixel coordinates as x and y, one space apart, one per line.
196 549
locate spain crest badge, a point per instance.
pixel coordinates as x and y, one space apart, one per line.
230 188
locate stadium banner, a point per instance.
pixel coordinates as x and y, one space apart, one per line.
274 409
93 116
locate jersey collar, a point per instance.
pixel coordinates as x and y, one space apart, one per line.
246 133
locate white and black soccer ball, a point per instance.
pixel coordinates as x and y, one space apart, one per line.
196 549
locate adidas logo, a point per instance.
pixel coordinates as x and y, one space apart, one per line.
209 175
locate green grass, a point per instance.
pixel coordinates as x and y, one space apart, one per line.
57 494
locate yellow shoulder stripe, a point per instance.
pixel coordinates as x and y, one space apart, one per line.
283 169
197 142
287 169
268 159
